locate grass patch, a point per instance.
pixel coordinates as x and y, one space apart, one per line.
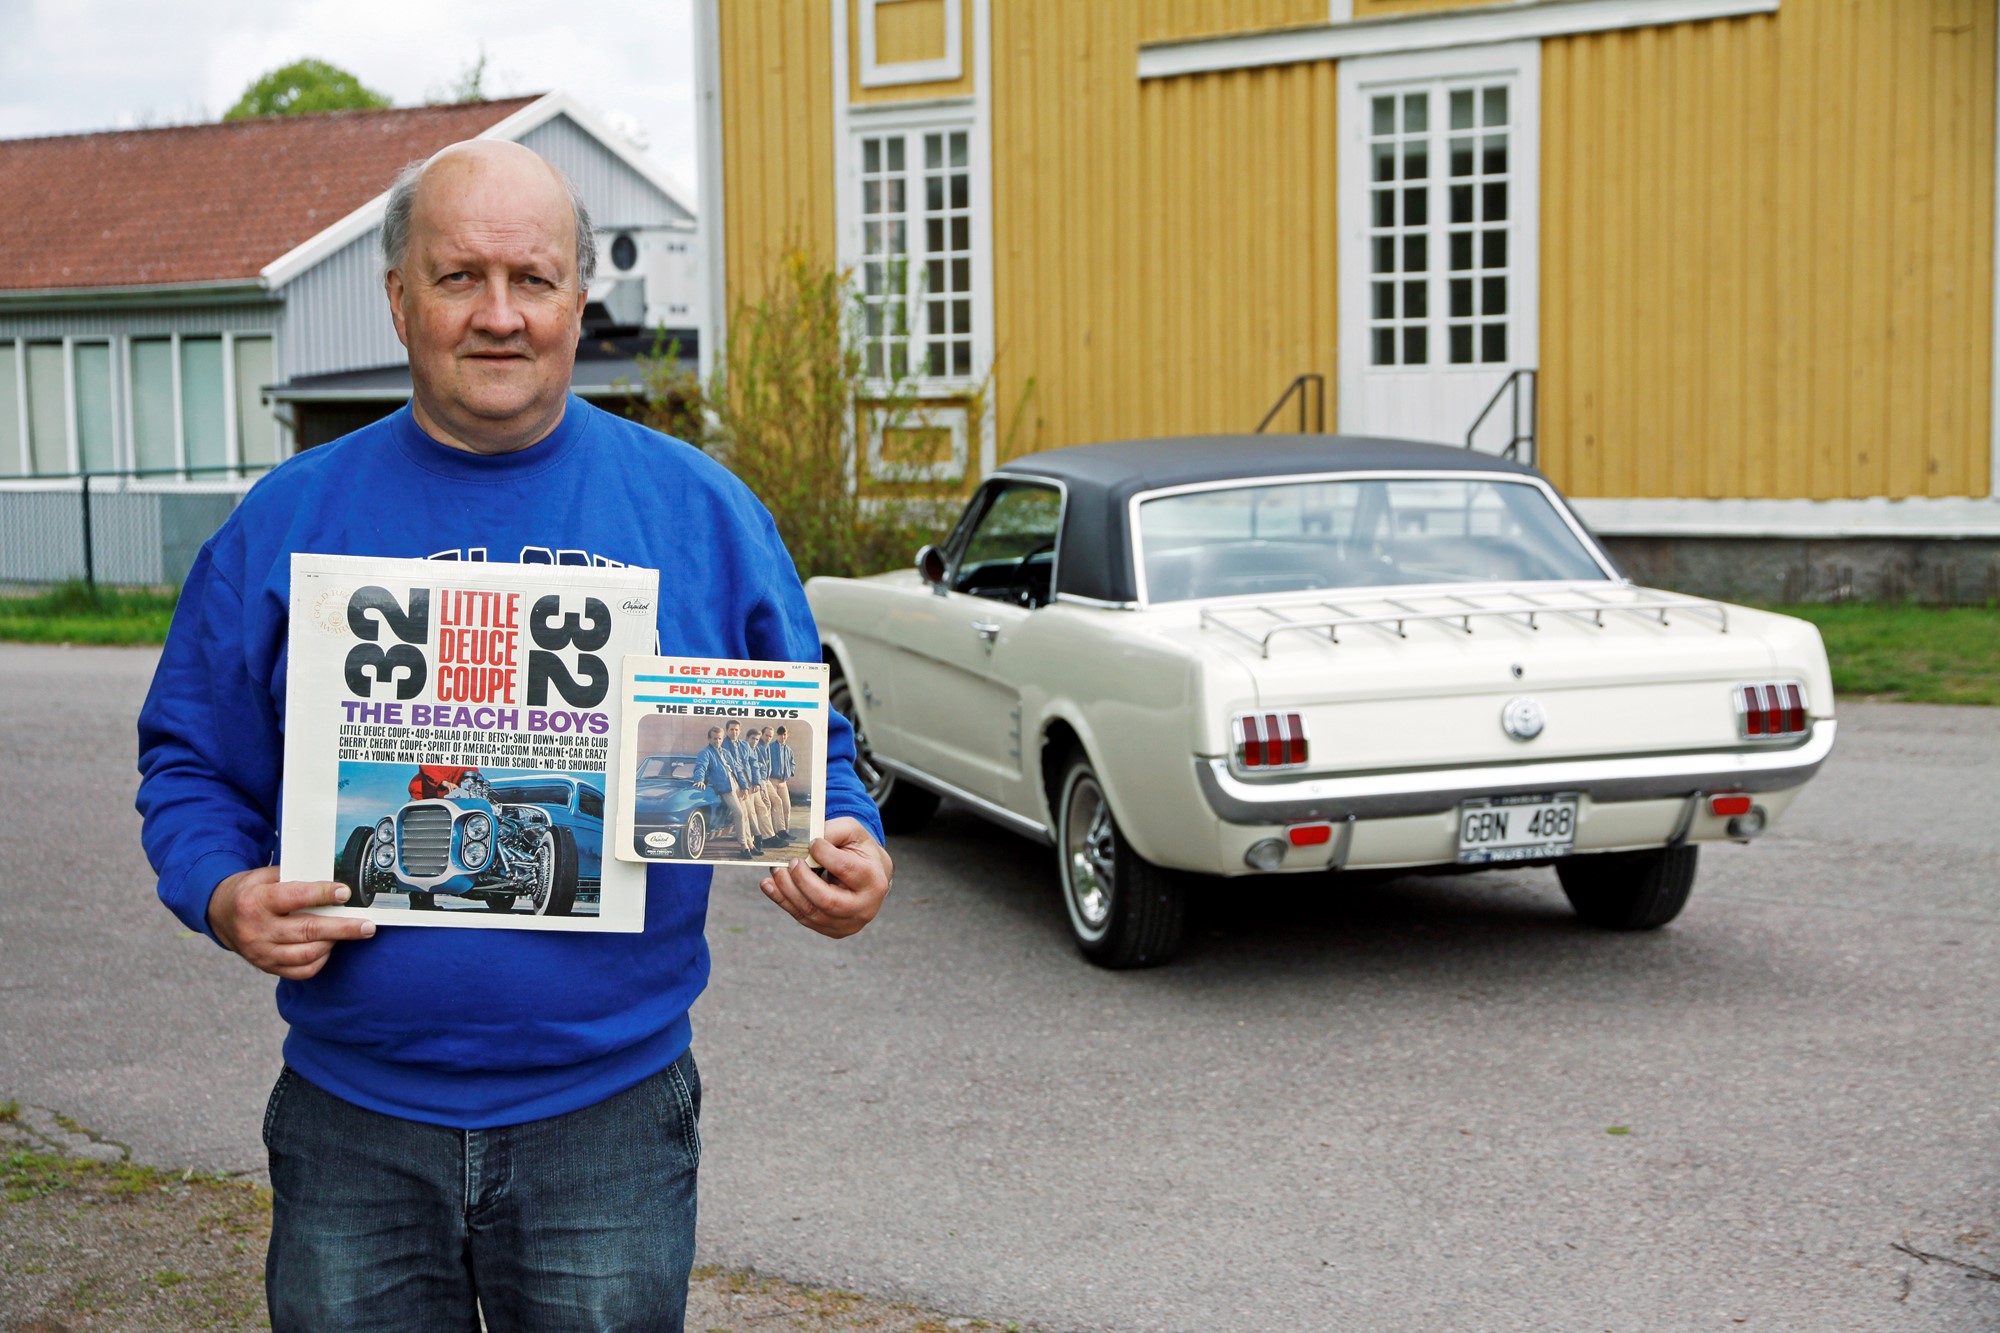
1910 654
77 613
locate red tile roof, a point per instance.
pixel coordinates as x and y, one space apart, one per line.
203 203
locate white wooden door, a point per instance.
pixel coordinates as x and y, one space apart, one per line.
1439 190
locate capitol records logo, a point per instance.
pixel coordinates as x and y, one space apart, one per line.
1523 719
636 604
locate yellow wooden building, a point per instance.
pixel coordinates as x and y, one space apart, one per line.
1746 247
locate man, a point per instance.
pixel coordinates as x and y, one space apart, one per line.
777 783
760 758
471 1123
711 769
744 769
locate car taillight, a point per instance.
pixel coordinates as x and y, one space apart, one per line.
1729 803
1771 710
1269 740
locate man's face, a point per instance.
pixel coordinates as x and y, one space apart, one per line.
487 299
734 729
714 735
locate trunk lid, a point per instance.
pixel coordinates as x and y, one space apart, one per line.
1407 680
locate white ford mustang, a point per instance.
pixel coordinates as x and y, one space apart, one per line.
1255 655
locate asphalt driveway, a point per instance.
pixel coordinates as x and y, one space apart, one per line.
1425 1104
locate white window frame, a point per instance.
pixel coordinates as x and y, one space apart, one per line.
21 422
956 115
949 68
939 417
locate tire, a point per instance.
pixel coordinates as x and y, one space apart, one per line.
353 868
1629 890
500 902
905 807
555 894
694 837
423 902
1123 910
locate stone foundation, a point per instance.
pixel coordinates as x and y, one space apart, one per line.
1936 570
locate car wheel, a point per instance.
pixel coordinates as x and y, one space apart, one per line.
904 806
694 837
1124 911
500 902
355 859
555 874
423 902
1629 890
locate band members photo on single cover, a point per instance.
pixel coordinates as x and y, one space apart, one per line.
712 789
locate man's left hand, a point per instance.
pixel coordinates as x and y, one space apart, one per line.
857 874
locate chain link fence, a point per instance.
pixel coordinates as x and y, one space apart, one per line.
133 528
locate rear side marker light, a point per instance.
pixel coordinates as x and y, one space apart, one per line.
1310 835
1266 741
1771 710
1734 803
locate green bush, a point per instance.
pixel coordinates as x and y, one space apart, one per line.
779 413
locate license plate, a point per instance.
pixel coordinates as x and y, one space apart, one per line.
1516 828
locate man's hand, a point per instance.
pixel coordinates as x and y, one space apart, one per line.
858 871
252 912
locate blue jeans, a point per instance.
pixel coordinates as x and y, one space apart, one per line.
581 1221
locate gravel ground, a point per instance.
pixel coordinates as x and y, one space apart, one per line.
90 1240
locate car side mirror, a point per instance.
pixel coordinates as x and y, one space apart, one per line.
930 563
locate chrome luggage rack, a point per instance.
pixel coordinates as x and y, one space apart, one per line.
1268 622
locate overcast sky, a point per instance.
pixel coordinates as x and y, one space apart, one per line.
70 65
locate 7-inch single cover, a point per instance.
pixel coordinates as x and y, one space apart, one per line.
724 761
451 737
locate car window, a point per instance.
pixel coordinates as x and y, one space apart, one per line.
1010 552
1299 536
531 793
590 801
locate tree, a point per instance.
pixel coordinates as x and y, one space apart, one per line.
301 87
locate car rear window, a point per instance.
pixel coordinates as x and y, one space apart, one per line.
1310 535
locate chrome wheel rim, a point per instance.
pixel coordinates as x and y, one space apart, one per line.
1090 847
545 875
874 779
695 838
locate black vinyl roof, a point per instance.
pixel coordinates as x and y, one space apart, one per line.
1101 480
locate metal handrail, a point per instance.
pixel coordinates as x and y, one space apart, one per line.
1587 606
1525 375
1318 400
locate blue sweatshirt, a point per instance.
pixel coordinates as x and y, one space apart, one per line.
467 1028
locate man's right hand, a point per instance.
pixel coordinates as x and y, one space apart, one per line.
257 915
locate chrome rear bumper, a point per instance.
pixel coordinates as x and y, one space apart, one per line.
1387 795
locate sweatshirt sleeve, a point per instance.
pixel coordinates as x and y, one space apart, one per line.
781 629
210 749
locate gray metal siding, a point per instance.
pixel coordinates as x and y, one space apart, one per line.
137 537
87 323
336 317
616 195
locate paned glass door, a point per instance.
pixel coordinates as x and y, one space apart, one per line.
1438 269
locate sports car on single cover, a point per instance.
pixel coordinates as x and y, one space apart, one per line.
539 838
1257 655
673 815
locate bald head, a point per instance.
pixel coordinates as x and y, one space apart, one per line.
499 162
489 258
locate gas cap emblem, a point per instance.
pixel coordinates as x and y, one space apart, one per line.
1523 718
